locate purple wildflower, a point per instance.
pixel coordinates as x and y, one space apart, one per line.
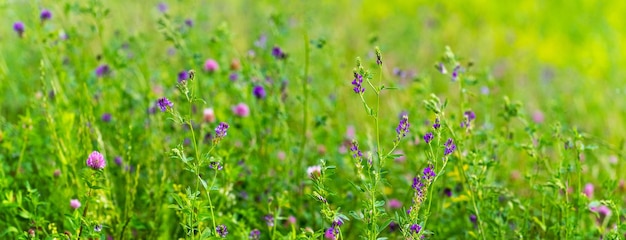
216 165
233 76
45 15
260 43
403 127
455 72
429 174
106 117
269 219
96 160
183 76
255 234
436 125
278 53
102 70
118 160
450 147
329 234
393 226
19 28
441 68
447 192
259 92
221 130
415 228
428 137
470 115
221 230
358 83
164 103
162 7
473 218
97 228
189 22
354 148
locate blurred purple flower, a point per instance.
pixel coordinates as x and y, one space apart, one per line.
189 22
269 219
118 160
106 117
45 15
102 70
278 53
19 28
259 92
183 76
162 7
221 230
255 234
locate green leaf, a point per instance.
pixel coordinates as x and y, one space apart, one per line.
204 184
25 214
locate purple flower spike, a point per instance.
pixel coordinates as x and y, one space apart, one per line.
358 83
221 230
403 126
164 103
455 73
221 130
269 219
450 147
437 124
255 234
428 137
416 228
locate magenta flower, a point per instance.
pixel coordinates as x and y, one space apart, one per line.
241 110
96 160
394 203
211 65
588 190
75 204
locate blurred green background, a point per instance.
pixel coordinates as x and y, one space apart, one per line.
562 56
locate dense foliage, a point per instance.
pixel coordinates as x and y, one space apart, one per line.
312 120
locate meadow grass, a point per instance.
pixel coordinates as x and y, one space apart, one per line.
312 120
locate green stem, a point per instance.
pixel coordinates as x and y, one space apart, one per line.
208 195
